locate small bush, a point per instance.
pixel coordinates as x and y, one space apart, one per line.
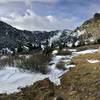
37 62
61 66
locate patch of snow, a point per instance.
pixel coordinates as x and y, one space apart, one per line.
42 46
69 66
55 76
7 50
72 50
20 55
93 61
27 56
55 38
77 43
69 44
80 32
92 39
86 51
64 49
12 78
3 57
74 34
55 73
54 52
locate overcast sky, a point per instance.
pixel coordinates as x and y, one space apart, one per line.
47 14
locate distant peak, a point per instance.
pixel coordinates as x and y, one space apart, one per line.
97 15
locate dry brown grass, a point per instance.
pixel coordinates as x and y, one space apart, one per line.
84 79
63 52
86 47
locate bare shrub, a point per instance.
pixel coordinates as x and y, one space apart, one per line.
37 62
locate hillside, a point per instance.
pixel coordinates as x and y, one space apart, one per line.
13 38
89 31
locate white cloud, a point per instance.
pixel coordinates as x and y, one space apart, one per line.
51 18
32 21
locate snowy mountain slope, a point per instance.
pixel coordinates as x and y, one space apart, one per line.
11 37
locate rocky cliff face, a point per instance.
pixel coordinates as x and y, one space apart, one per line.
89 31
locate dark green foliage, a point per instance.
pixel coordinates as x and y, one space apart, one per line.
19 48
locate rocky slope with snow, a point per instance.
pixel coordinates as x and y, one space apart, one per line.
11 37
89 31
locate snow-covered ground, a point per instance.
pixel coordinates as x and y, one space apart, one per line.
12 78
56 73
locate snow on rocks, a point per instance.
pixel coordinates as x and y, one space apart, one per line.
80 32
77 43
93 61
55 37
69 44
